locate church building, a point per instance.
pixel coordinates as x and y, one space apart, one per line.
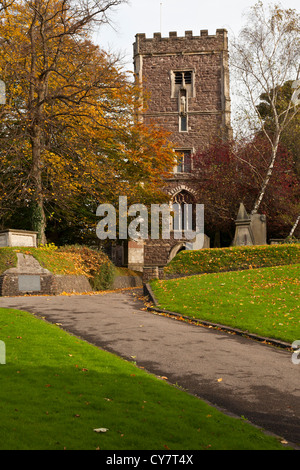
187 80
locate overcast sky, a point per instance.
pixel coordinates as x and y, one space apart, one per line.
150 16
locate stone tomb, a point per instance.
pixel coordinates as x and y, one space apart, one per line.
12 237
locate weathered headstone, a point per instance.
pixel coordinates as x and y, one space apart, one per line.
243 233
250 230
259 229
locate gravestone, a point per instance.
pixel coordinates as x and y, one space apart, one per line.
243 233
259 229
249 230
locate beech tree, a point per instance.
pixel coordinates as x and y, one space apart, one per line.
68 134
264 56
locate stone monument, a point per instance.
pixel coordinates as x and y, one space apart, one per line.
249 229
11 237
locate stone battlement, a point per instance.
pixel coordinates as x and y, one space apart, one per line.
175 43
189 34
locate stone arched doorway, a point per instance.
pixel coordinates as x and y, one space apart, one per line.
175 250
185 220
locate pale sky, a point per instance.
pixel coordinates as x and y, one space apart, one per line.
150 16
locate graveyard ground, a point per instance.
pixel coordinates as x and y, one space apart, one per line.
264 301
56 390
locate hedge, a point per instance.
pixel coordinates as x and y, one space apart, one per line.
214 260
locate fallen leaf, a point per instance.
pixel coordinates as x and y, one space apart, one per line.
220 380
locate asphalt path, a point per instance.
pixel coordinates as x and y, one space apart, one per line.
238 375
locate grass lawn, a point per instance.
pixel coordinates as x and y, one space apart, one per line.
8 259
263 301
55 389
216 260
55 261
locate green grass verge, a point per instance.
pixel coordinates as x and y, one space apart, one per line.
53 260
121 271
8 259
232 259
263 301
56 389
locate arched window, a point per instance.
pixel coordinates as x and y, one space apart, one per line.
184 216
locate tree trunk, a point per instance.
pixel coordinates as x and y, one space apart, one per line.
38 215
294 226
268 175
37 91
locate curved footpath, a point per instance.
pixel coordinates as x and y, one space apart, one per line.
259 381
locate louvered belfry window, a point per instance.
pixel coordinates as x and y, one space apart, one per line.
183 78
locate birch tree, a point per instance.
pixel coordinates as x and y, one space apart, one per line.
264 56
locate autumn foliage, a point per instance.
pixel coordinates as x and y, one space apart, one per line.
69 137
229 173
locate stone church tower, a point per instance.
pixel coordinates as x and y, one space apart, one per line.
187 79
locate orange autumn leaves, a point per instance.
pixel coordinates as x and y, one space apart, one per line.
69 134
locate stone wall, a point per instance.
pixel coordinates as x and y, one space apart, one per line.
49 284
28 277
207 109
153 272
